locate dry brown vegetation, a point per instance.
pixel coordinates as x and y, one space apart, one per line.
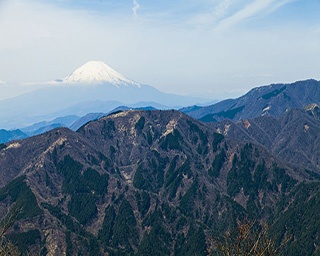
6 247
248 239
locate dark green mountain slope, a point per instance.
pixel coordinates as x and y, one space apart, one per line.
138 183
298 214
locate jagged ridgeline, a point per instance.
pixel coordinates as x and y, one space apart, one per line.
148 183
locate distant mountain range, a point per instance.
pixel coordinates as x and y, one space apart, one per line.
94 87
272 100
73 122
6 136
45 126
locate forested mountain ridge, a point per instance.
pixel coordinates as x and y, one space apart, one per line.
140 182
293 137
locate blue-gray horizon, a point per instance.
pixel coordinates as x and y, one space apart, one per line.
184 47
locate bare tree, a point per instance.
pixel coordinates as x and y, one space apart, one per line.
248 239
6 247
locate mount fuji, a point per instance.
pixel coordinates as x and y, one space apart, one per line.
98 72
93 87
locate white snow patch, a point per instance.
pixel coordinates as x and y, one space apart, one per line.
266 109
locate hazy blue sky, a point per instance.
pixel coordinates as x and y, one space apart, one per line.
208 47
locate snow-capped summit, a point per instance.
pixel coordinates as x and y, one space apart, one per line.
98 72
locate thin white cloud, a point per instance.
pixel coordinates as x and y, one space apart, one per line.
256 7
279 4
221 9
135 7
213 15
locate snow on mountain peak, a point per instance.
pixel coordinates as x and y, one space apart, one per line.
98 72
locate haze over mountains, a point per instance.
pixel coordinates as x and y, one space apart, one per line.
94 87
144 181
272 100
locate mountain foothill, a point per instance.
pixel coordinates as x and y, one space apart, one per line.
139 180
